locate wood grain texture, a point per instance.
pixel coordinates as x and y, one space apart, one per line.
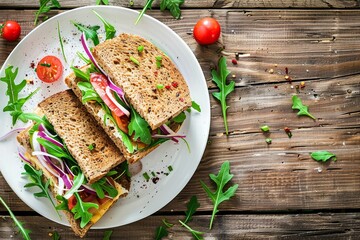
265 226
199 3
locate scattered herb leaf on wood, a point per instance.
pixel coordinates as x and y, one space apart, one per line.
219 196
323 156
102 2
15 104
107 234
303 110
173 6
161 232
196 234
167 224
219 77
192 206
55 235
45 6
24 232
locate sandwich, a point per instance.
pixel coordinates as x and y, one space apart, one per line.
135 93
75 158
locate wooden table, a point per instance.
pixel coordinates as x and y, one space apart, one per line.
282 191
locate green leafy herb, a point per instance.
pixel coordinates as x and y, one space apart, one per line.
78 181
192 206
173 6
111 173
140 48
219 196
323 156
61 42
80 74
170 168
107 234
45 6
81 210
161 232
303 110
160 86
180 118
82 57
102 186
109 29
45 64
268 140
55 236
146 176
265 128
88 92
24 232
35 176
197 234
134 60
90 32
195 106
219 77
158 61
55 150
63 203
167 224
102 2
140 127
91 147
146 7
14 104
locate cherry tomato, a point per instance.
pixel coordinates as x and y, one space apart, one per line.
49 69
10 30
99 83
71 202
207 31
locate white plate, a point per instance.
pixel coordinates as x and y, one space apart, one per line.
145 198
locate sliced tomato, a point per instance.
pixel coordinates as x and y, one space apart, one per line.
122 122
72 202
49 69
99 83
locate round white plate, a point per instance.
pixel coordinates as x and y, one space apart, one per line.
144 198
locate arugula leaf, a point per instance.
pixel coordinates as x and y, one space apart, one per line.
323 156
63 203
102 186
14 104
219 196
191 208
61 42
55 150
140 127
90 32
88 93
197 234
195 106
35 176
81 210
219 77
55 236
160 233
82 57
107 234
173 6
146 7
80 74
180 118
109 29
102 2
24 232
303 110
45 6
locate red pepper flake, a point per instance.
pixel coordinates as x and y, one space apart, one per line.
181 99
175 84
168 87
234 61
288 131
32 65
275 86
156 73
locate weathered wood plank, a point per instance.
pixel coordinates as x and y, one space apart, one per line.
198 3
264 226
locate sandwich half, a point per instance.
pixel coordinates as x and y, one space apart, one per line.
75 156
134 91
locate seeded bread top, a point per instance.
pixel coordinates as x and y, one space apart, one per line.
79 130
142 82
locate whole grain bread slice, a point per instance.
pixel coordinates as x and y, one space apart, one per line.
79 130
140 82
24 139
95 110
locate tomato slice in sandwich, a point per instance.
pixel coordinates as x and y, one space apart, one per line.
99 83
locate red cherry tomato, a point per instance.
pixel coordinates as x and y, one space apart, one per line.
10 30
207 31
49 69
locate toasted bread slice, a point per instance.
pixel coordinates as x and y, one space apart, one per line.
96 111
139 82
79 130
24 140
